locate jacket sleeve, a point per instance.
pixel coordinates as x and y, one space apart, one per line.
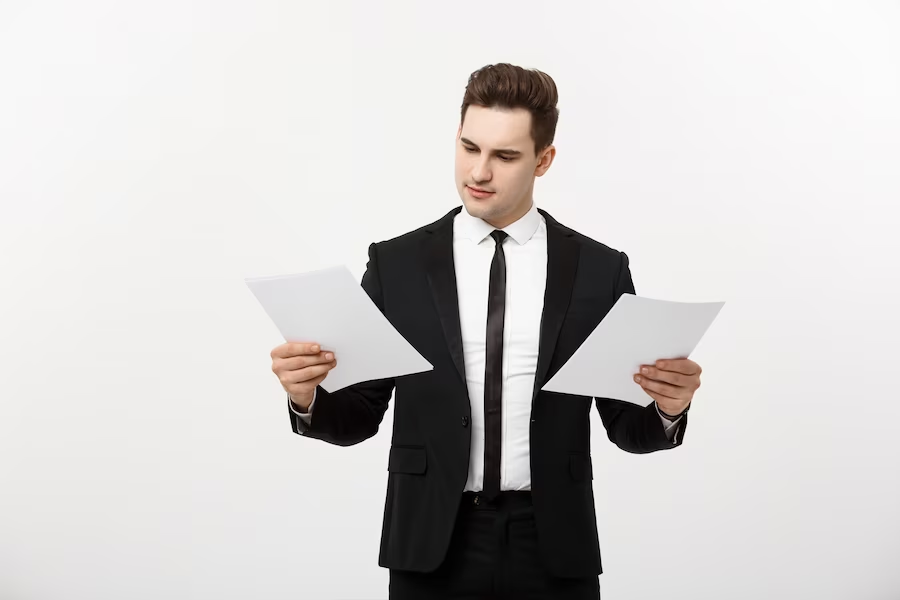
633 428
352 414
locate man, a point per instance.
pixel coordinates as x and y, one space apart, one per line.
489 490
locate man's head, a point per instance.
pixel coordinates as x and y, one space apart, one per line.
505 140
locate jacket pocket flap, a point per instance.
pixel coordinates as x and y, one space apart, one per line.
406 459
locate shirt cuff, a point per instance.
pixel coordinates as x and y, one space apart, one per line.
671 427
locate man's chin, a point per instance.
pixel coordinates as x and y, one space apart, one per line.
477 209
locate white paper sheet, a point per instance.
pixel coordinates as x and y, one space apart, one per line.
636 331
331 308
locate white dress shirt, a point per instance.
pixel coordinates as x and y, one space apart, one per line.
526 277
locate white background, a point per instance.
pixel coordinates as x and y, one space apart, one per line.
154 154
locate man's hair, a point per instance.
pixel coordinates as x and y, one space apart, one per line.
507 86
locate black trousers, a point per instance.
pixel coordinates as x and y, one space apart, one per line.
493 555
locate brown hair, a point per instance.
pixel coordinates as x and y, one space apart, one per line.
508 86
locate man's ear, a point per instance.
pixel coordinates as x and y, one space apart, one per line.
547 156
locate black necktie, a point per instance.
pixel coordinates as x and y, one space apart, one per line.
493 368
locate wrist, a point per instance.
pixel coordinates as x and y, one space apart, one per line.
671 417
300 405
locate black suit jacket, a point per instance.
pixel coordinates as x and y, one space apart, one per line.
412 281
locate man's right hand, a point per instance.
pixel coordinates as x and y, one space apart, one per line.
300 367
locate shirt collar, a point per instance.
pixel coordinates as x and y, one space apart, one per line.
476 230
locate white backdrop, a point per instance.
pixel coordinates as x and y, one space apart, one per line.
154 154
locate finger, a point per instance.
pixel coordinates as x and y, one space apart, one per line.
662 401
292 349
303 375
664 404
670 377
684 366
301 362
315 382
663 389
304 387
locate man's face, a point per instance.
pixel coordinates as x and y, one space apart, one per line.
495 152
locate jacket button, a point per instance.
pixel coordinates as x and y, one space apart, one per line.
465 421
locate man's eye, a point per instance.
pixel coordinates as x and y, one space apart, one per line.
503 158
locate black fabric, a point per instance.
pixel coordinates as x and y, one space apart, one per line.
492 556
412 281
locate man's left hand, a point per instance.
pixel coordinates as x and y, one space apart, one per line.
671 383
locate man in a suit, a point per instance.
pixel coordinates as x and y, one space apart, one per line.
489 490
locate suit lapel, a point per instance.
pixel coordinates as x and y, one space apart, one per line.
441 273
562 262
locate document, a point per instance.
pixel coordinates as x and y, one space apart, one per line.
331 308
636 331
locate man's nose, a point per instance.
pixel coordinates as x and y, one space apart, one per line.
481 172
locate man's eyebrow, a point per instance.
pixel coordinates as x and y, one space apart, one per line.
501 151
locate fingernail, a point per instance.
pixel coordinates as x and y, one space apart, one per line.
329 356
637 378
645 370
315 348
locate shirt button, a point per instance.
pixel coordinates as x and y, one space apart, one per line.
465 421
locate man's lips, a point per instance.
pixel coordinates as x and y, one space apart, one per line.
478 193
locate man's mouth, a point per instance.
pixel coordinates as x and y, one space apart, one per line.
478 193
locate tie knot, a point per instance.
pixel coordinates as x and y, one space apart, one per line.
499 235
